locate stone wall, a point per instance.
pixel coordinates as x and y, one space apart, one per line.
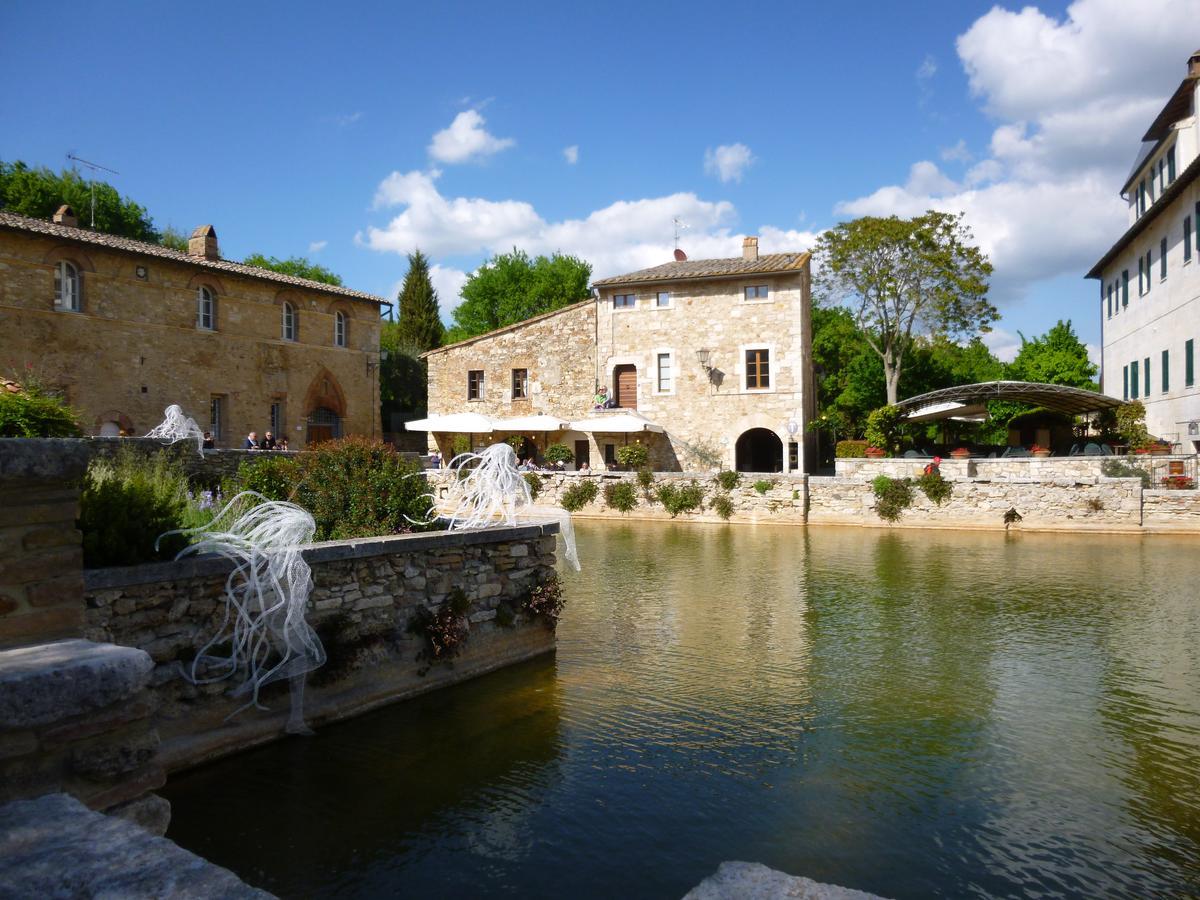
41 557
1101 504
1171 510
365 597
135 347
207 468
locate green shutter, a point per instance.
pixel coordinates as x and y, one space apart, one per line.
1189 375
1166 372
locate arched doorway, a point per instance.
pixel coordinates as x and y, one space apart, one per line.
759 450
323 425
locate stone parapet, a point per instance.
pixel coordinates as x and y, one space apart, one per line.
41 555
54 846
366 594
75 717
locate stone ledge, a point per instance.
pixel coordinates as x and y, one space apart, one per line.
54 846
326 551
52 682
754 881
42 458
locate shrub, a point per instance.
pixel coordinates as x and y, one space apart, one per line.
1012 517
546 601
460 444
728 480
126 504
762 486
621 496
579 495
883 428
892 496
851 449
935 487
645 480
633 456
535 484
32 414
722 506
446 630
1131 424
275 477
1118 468
676 500
559 453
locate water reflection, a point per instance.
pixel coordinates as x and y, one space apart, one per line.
912 713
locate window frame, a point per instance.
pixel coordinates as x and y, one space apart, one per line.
290 323
658 304
632 304
206 296
659 353
524 382
1124 287
475 385
216 416
61 279
341 330
769 387
1133 380
1125 383
759 296
1187 239
1111 287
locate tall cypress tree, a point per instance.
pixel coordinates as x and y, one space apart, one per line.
420 325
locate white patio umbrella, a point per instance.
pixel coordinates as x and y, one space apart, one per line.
460 423
617 423
539 422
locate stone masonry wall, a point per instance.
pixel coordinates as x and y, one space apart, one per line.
41 557
1171 510
365 596
135 348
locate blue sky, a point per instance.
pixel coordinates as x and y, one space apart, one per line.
352 133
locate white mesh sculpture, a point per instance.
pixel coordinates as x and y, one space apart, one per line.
176 426
265 598
488 490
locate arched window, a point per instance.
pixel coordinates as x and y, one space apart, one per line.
66 287
206 309
339 329
289 322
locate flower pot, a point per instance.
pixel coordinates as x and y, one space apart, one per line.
1160 450
960 453
1041 454
875 453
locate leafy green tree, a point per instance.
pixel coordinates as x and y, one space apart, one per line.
512 288
902 278
296 266
173 239
39 192
1057 357
420 324
402 377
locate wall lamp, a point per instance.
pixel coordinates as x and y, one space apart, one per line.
702 356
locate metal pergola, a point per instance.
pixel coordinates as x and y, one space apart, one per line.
1058 397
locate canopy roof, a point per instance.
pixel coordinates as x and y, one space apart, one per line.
461 423
615 423
1058 397
540 422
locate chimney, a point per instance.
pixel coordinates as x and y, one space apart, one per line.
1194 65
750 249
203 242
64 215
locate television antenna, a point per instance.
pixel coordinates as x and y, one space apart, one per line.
95 167
679 226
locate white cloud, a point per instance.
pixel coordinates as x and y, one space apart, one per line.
621 237
927 69
1070 112
448 283
728 162
317 246
466 140
571 154
957 153
1004 344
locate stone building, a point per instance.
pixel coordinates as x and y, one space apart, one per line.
1149 286
708 362
124 328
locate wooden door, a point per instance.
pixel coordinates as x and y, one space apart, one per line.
626 384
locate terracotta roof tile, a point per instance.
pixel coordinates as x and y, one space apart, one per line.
711 268
129 245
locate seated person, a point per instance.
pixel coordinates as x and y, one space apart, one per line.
209 443
268 442
584 467
601 401
251 441
281 444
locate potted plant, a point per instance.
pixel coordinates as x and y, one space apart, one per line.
559 454
1039 452
960 453
875 453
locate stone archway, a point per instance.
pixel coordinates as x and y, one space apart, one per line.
324 408
758 450
113 423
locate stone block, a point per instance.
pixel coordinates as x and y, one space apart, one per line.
65 589
110 756
43 538
52 682
151 813
518 550
54 623
54 846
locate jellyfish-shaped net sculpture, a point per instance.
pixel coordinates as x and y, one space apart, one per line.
488 490
263 635
176 426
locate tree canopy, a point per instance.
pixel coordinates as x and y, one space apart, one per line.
39 192
420 320
905 278
1057 357
296 266
511 288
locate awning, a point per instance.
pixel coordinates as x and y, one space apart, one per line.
961 412
540 422
616 423
460 423
1058 397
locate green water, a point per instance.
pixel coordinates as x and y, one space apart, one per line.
912 713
